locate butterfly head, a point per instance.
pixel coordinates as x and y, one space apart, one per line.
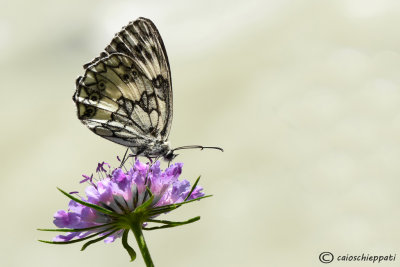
169 156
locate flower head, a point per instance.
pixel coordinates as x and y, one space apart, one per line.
124 200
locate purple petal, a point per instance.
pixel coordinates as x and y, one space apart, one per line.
118 175
75 207
64 238
155 169
112 237
92 194
180 190
139 173
64 219
140 167
88 215
196 193
174 170
104 187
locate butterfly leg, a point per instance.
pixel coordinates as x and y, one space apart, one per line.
137 153
124 158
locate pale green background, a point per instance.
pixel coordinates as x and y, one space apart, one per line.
302 95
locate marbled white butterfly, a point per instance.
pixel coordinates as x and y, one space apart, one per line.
125 94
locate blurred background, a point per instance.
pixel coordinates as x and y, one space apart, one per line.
303 96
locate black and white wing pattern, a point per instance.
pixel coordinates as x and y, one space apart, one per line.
125 94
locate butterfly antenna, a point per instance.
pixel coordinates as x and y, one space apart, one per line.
197 146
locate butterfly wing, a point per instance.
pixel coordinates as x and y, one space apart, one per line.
141 41
125 94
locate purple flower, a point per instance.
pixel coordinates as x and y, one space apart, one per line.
122 199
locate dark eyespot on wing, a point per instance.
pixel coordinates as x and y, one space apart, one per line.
86 111
95 97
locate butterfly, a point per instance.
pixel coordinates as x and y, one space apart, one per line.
125 94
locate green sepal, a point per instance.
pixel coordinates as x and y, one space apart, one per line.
147 203
149 191
97 240
75 230
76 240
128 248
93 206
193 187
169 224
170 207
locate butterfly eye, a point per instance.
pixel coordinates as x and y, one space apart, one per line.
102 85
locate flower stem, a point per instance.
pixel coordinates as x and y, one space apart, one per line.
136 228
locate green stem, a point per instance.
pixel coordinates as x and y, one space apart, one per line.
136 228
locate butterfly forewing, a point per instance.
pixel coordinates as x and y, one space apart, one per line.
125 94
141 41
